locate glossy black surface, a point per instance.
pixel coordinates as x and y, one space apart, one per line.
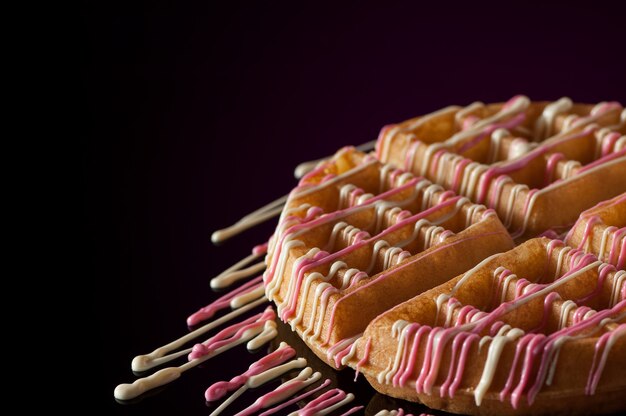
198 115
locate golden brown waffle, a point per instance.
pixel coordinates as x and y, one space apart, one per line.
540 329
538 164
369 262
601 230
358 237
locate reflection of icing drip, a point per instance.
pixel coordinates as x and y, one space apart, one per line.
325 403
296 399
257 380
399 412
281 355
263 326
352 410
285 390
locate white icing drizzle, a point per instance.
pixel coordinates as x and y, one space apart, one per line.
465 112
428 195
605 235
444 297
246 298
399 412
390 134
470 179
515 190
169 374
334 269
341 345
496 142
274 285
618 333
158 356
256 217
545 122
303 191
292 282
505 334
568 168
269 333
384 174
322 292
518 148
616 289
235 272
566 308
568 122
306 167
516 106
447 159
505 283
539 192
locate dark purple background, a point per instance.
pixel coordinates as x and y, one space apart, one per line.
198 115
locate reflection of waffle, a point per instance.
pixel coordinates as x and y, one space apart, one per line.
531 162
601 230
357 238
538 329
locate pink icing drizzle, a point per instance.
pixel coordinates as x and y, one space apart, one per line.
307 264
540 349
266 399
602 160
608 142
296 399
231 333
599 359
322 402
352 411
220 388
271 270
223 302
553 159
509 124
403 265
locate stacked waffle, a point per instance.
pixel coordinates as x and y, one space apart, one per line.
389 263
